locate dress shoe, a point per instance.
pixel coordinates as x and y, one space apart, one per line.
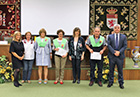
100 83
16 84
91 83
55 82
121 86
61 82
74 81
78 82
19 84
109 85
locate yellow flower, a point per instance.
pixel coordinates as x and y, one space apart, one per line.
115 79
105 77
8 68
10 63
96 75
7 62
107 71
103 72
6 75
105 56
12 77
106 61
2 71
0 66
95 72
12 73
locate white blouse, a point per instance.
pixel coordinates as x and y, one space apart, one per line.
75 44
29 49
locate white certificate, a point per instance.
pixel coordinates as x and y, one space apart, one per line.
61 52
95 56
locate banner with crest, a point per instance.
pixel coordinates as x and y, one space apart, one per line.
106 13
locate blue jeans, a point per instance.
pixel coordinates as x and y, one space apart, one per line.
27 69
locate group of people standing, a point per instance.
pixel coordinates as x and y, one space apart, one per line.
22 52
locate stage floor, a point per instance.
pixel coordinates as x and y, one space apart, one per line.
132 88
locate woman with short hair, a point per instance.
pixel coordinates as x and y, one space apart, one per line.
60 60
28 57
43 54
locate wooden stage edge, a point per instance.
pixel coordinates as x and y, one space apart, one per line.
127 74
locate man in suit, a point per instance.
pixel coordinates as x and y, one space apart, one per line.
117 43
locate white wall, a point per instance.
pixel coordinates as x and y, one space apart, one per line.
53 15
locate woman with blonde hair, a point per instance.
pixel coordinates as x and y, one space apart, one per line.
17 54
43 54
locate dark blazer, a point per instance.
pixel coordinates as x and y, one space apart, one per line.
80 48
121 48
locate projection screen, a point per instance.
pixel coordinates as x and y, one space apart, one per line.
53 15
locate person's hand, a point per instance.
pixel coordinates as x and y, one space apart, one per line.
117 53
21 58
101 52
82 57
91 51
50 56
64 56
70 58
56 49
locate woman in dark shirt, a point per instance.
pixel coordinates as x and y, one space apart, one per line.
17 54
76 53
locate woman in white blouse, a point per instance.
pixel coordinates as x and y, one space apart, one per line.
29 57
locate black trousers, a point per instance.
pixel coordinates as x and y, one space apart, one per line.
76 63
119 63
92 69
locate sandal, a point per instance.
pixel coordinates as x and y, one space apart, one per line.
22 81
29 81
45 81
39 81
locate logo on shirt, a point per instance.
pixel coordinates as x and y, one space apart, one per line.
62 45
100 41
80 44
46 40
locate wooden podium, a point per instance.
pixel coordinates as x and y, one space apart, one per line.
4 50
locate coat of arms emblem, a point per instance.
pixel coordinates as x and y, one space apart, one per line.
112 18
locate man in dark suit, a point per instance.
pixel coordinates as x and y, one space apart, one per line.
117 43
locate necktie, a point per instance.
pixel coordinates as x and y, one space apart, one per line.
117 44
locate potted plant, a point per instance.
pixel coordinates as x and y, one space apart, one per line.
6 71
105 72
